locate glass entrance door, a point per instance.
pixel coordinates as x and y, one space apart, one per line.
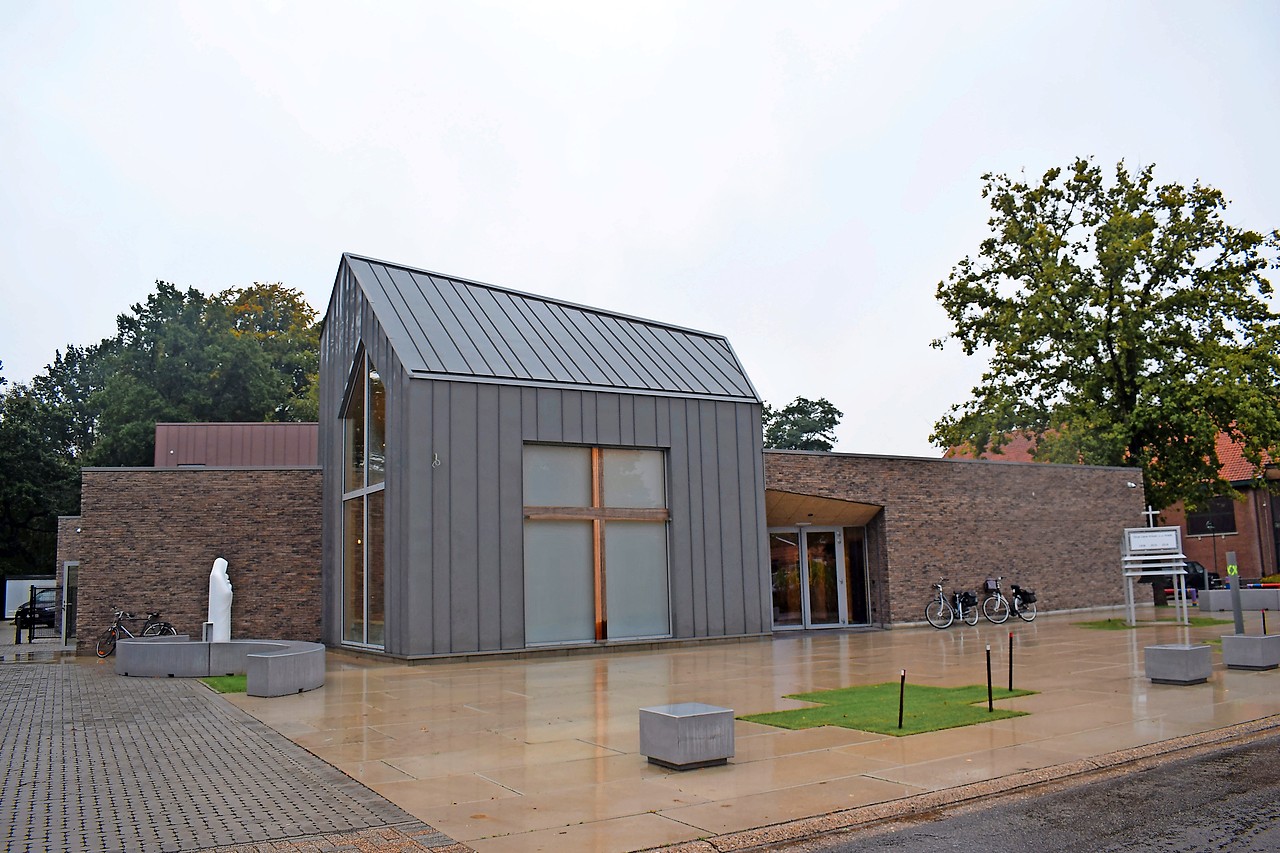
808 577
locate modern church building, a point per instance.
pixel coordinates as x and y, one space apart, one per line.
501 472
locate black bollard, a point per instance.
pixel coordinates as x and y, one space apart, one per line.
1010 661
902 691
990 706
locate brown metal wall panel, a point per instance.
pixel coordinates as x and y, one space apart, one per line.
237 445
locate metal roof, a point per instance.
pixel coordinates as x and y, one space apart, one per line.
447 327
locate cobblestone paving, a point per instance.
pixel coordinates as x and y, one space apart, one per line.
95 762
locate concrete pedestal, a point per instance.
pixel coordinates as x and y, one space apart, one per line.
687 735
1240 651
1178 663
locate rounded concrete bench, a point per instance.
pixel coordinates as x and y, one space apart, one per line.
273 667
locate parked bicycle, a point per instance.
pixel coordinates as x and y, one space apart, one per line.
154 627
1023 603
941 612
998 609
995 606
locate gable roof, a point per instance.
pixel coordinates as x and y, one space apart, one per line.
445 327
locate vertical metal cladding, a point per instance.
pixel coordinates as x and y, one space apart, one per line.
473 373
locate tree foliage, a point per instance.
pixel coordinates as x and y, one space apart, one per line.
1128 323
246 354
37 483
804 424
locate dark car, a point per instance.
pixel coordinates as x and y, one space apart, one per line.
45 603
1198 577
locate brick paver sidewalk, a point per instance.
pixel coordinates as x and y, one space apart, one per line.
95 762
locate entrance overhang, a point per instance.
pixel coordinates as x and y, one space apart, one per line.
784 509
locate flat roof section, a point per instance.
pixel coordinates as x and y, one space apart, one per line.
789 508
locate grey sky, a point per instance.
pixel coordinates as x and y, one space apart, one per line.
797 177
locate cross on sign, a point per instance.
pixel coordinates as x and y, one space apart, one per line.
1152 514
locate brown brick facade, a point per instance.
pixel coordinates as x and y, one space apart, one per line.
1253 540
148 539
1052 528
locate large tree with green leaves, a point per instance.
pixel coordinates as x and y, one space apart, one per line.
1128 322
246 354
803 424
37 482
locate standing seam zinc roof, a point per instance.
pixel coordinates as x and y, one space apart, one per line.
447 327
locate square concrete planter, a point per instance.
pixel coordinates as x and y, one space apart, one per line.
1240 651
687 735
1178 663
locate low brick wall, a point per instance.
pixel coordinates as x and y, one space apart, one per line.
1052 528
148 539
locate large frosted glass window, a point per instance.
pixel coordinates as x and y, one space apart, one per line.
636 566
557 476
634 478
595 544
364 473
559 598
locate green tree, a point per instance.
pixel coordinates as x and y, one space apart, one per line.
37 482
1127 322
804 424
285 326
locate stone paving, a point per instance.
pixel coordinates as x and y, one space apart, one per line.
94 762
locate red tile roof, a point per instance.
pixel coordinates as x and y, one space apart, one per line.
1235 468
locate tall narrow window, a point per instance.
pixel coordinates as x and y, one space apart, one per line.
364 422
595 539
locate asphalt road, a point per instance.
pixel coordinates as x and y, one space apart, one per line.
1225 800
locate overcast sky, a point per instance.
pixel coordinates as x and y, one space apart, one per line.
795 176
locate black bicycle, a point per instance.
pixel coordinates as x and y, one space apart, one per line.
1023 603
154 627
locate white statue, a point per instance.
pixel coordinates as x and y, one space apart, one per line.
220 602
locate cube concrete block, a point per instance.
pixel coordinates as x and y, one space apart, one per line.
1251 652
1178 663
686 735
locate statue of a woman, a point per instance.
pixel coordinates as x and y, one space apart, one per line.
220 602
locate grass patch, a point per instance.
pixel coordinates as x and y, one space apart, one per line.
228 683
874 708
1121 625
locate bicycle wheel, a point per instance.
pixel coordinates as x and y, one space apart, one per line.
939 614
996 609
106 644
167 630
159 629
970 615
1026 612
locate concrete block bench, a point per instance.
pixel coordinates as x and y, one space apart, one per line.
272 667
686 735
1241 651
1178 663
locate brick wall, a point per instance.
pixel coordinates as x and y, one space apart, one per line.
149 538
1052 528
1252 540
